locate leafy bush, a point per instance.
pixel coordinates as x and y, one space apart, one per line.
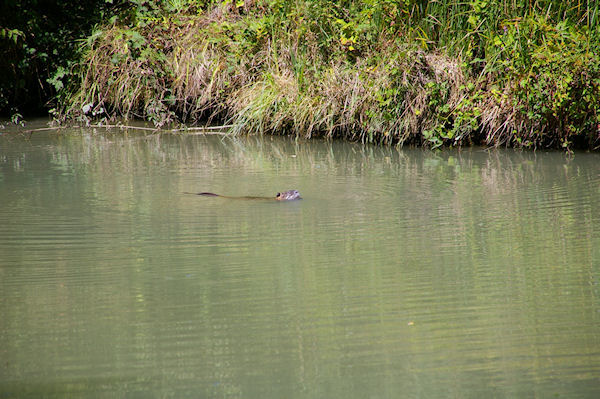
553 72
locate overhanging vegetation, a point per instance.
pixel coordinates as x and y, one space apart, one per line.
515 72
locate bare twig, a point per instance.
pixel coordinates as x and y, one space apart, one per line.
196 130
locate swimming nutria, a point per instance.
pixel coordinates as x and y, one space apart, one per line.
289 195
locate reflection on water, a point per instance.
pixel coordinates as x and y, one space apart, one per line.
402 273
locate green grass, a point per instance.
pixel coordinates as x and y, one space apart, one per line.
523 73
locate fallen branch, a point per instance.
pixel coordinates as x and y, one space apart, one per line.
199 130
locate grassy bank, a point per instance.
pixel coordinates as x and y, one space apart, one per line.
515 72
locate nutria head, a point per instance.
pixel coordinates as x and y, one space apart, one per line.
288 195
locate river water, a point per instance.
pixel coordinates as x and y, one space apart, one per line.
402 273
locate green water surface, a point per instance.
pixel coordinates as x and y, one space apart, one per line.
403 273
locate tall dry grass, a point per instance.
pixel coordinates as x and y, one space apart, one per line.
424 72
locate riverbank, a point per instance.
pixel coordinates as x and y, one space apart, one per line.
414 72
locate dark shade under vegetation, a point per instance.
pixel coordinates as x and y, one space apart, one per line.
447 72
38 43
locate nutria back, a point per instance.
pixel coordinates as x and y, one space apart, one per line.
289 195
